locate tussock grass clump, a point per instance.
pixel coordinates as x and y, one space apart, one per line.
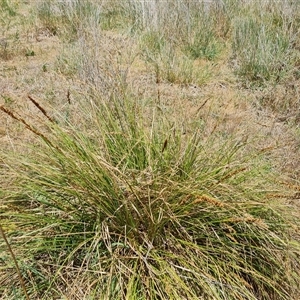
68 18
130 208
171 64
264 41
263 51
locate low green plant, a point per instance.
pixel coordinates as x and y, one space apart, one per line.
29 53
153 42
113 16
183 70
127 207
8 7
204 45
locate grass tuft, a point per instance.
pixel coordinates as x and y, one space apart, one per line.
135 210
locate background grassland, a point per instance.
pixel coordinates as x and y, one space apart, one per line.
149 149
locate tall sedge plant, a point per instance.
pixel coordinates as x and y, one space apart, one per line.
129 208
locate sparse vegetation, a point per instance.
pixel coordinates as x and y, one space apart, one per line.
152 156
